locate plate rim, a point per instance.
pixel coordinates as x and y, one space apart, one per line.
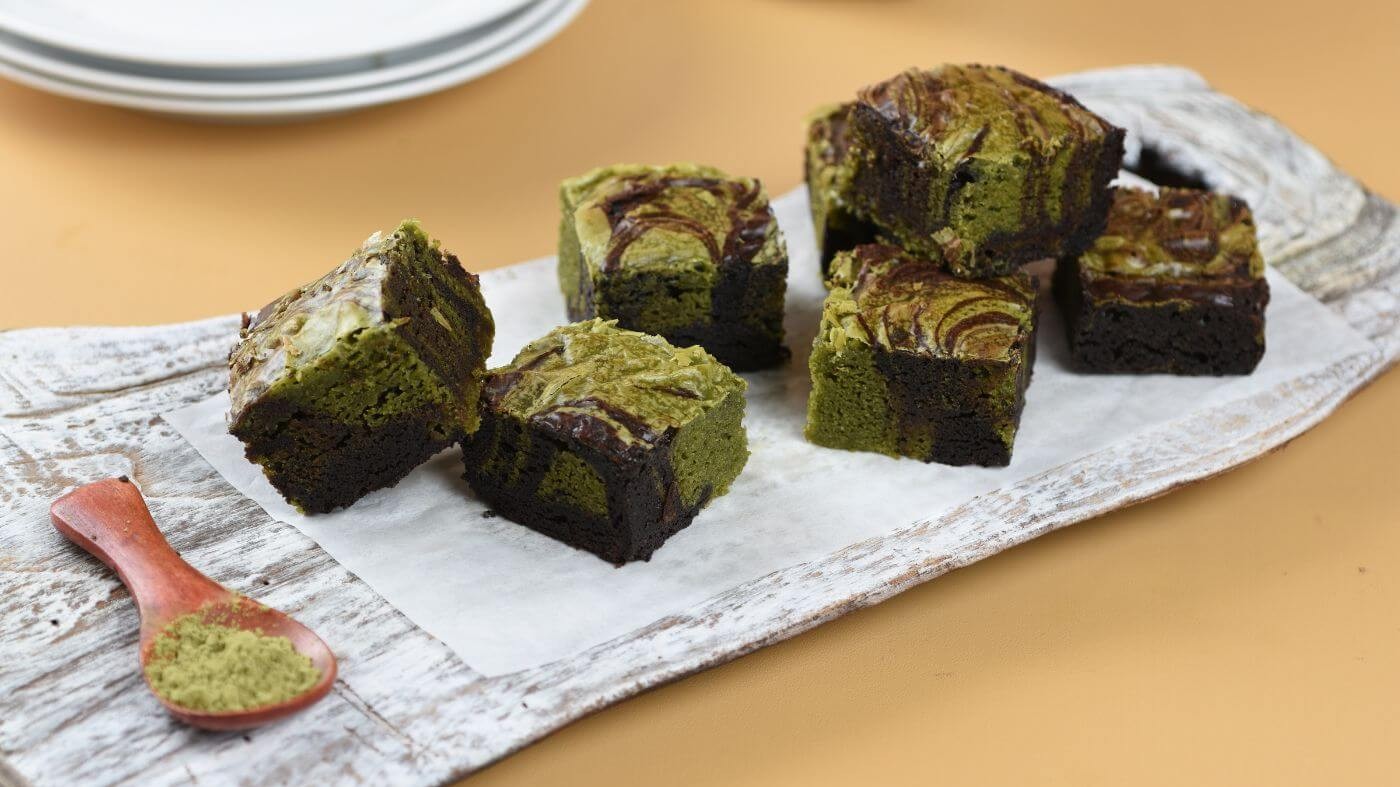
57 37
534 13
311 104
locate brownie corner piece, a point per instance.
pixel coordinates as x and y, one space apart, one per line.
1175 285
912 361
343 386
827 167
981 165
607 439
682 251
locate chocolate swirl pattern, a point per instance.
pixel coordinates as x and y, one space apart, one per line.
964 109
981 165
1179 233
905 303
609 388
730 217
1175 285
677 250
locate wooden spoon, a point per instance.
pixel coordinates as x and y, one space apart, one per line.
109 518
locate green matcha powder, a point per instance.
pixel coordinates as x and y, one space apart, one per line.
211 667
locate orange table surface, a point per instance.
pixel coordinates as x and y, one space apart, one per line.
1245 630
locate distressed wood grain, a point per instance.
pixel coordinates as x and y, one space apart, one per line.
77 404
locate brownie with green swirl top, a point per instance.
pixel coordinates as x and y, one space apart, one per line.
981 166
607 439
1174 285
681 251
912 361
344 385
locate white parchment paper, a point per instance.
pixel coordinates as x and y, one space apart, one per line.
506 598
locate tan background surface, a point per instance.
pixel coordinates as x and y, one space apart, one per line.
1244 631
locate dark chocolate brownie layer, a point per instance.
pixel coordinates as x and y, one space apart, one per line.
964 432
1174 285
323 463
643 497
1207 331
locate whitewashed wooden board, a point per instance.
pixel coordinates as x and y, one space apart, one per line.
78 404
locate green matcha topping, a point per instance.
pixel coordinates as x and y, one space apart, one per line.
1176 233
630 216
988 111
980 165
634 385
884 297
305 325
206 666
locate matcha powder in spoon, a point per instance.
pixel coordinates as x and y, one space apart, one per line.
211 667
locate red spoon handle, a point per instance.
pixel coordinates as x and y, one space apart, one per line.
109 518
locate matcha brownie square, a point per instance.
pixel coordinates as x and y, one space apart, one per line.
345 385
1175 284
607 439
827 161
911 361
681 251
981 165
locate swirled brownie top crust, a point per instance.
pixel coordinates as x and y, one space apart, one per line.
610 388
885 297
634 216
989 111
346 384
1177 234
980 166
301 327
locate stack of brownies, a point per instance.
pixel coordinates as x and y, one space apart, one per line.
930 193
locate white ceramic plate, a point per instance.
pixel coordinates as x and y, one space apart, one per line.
273 83
288 108
245 33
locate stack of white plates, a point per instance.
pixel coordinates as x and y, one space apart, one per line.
265 59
